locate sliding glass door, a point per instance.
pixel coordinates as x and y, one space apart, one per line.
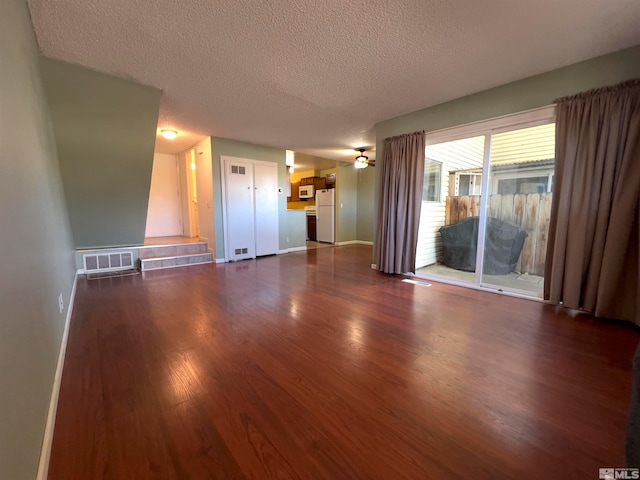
460 165
486 207
520 188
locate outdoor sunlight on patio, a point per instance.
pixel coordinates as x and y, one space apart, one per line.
520 186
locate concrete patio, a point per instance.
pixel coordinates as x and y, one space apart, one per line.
516 281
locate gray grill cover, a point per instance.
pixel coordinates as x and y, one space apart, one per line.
502 248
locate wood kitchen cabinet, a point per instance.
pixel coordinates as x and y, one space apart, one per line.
311 227
320 183
295 191
308 181
330 179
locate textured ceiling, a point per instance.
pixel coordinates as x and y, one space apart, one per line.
303 162
316 76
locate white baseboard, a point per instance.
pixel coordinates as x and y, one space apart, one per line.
374 266
47 441
354 242
220 260
292 249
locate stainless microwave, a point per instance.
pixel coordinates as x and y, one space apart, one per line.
306 191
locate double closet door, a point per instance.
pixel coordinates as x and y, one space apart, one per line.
250 206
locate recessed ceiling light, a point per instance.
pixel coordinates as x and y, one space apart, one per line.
169 134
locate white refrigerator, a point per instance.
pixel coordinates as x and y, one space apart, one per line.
325 215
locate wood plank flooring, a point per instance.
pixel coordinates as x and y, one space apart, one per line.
311 365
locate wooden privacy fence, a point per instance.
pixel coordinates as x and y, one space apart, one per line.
530 212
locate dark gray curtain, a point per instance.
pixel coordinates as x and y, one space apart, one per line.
400 201
592 257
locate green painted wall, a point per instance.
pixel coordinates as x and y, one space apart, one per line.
366 207
37 262
296 228
347 203
291 223
105 131
537 91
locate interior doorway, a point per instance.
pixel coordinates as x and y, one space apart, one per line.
164 216
196 185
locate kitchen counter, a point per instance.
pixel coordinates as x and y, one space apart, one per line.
301 205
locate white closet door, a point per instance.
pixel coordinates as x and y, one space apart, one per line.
239 209
266 208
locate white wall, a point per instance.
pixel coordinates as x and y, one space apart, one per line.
164 215
35 238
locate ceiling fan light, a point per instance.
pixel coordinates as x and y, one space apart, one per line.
360 163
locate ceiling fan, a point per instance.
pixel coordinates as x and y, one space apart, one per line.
362 161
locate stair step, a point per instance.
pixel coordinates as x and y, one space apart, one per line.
178 260
158 251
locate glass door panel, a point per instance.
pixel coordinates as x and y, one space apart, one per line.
520 188
448 232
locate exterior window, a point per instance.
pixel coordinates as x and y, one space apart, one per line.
469 184
432 180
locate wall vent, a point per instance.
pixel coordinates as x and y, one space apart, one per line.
107 262
241 251
238 169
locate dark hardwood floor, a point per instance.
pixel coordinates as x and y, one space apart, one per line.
312 365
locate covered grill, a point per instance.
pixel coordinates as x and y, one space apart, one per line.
502 247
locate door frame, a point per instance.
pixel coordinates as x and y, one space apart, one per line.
488 128
192 192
